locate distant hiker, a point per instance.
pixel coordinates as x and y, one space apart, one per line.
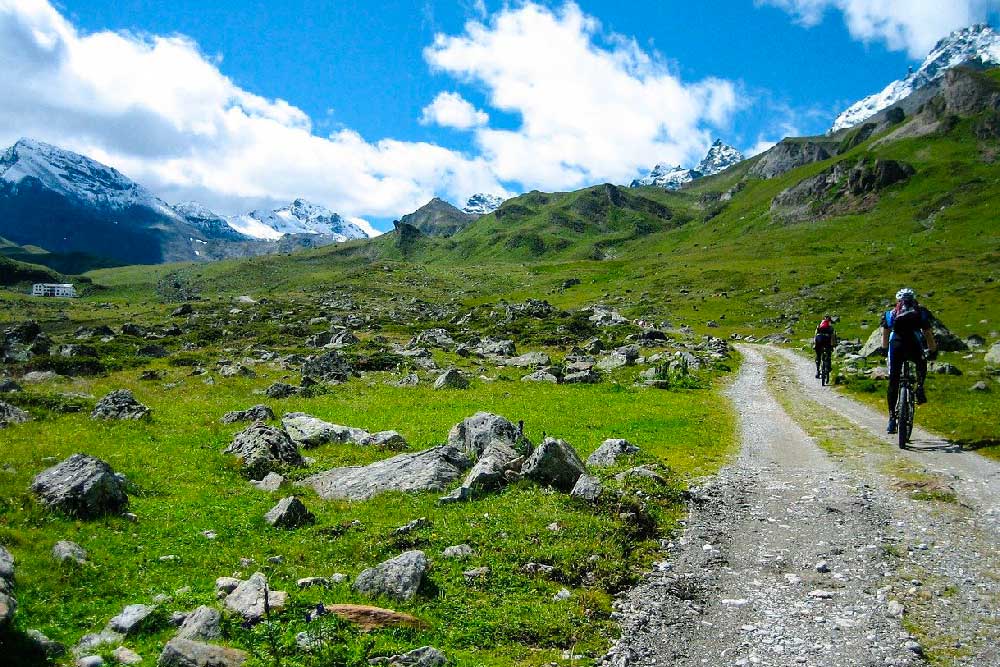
824 341
906 333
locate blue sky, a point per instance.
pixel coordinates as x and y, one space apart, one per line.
246 104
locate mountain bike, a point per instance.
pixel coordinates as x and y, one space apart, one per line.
906 403
824 373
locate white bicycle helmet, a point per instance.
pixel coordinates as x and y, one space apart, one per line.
905 294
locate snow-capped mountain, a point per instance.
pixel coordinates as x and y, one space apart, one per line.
482 204
208 221
977 45
719 158
299 217
669 178
76 177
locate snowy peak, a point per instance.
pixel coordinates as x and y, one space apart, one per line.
719 158
299 217
482 204
76 176
669 178
977 45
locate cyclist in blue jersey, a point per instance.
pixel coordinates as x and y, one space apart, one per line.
906 333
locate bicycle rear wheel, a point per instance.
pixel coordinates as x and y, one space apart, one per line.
904 415
825 375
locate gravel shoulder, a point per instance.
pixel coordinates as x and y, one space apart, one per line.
791 556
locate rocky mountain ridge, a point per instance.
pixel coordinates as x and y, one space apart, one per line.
720 157
482 204
977 45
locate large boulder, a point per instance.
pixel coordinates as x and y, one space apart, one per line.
119 404
945 339
132 619
490 470
452 379
258 412
398 578
329 368
587 488
290 512
248 599
11 414
308 431
554 463
181 652
609 451
203 623
474 434
81 486
430 470
262 449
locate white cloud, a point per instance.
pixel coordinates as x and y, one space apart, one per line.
910 25
592 106
453 110
366 226
162 112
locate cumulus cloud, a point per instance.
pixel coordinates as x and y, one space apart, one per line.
162 112
453 110
592 106
913 26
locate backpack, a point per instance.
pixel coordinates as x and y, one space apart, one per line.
910 320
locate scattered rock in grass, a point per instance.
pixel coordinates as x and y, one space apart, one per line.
563 594
458 552
398 578
386 440
126 656
226 584
476 574
979 387
257 413
432 338
89 661
272 482
587 488
540 376
132 618
640 472
280 390
459 495
373 618
943 368
8 386
609 451
247 599
120 404
262 448
416 524
554 463
474 434
182 310
411 380
425 656
203 623
452 379
308 431
95 640
237 370
181 652
310 582
51 649
498 461
65 550
8 605
429 470
529 360
290 512
81 486
589 376
327 368
11 414
537 568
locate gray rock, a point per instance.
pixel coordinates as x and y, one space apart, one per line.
416 524
554 463
310 582
51 649
236 370
66 550
247 599
582 377
262 449
257 413
979 386
131 619
8 605
609 451
289 513
328 368
451 379
458 552
11 414
308 431
398 578
873 346
540 376
992 357
411 380
489 471
474 434
942 368
203 623
425 656
8 386
181 652
430 470
789 154
587 488
90 661
226 584
495 347
476 573
120 404
432 338
126 656
385 440
182 310
81 486
6 566
529 360
280 390
95 640
272 482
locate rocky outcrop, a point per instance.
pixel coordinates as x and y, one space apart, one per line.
438 218
398 578
430 470
790 154
262 449
308 431
474 434
81 486
328 368
120 404
554 463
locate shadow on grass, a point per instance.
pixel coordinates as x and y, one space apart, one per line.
19 650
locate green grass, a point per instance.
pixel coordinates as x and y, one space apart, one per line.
182 485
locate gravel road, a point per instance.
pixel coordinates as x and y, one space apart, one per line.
790 557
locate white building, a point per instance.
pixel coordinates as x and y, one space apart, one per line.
53 289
